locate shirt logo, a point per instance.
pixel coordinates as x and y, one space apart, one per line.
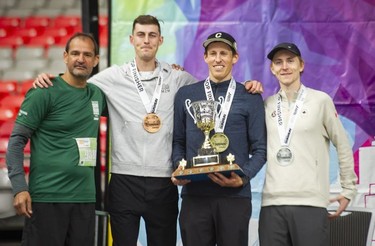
165 88
95 109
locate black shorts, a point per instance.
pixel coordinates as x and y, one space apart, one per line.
60 224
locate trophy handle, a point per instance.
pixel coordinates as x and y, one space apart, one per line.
188 106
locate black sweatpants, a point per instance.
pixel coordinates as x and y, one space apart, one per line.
153 199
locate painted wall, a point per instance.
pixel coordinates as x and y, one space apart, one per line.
336 38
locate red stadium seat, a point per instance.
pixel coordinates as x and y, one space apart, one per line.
103 126
6 114
62 41
3 145
103 20
37 21
24 33
57 32
12 102
11 41
67 21
4 32
9 21
7 88
6 128
24 86
42 40
103 37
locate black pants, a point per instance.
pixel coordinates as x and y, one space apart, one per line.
293 226
209 221
60 224
153 199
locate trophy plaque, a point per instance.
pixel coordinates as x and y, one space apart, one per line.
208 159
199 173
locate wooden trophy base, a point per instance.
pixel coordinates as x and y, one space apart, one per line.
199 173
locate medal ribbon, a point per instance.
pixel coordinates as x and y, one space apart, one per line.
152 106
285 134
221 119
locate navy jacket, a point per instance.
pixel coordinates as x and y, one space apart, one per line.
245 128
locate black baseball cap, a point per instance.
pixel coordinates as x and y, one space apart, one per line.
284 46
221 37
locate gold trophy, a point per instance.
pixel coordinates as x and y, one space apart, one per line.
204 117
208 160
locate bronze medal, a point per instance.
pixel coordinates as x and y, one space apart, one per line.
220 142
152 123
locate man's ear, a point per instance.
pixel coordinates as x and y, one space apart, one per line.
65 57
272 71
205 57
161 40
302 67
235 58
97 59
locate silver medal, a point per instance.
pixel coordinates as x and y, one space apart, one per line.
284 156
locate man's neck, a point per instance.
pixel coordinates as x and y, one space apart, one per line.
291 90
217 80
74 81
144 66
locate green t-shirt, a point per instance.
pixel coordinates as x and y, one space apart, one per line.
59 115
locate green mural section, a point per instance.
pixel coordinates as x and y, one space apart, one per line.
124 12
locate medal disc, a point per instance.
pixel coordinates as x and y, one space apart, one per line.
152 123
219 142
284 156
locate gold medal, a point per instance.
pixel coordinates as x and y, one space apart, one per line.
220 142
152 123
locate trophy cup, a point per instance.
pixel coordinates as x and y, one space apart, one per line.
208 160
204 117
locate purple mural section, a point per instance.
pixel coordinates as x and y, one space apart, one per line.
337 40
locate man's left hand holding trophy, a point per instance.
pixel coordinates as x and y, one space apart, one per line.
207 163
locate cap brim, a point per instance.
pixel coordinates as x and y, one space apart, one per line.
274 51
211 40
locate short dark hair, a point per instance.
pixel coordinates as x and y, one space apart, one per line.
82 35
146 20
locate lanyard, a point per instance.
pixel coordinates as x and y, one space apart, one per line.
221 118
285 134
150 106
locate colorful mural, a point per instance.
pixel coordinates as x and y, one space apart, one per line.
336 38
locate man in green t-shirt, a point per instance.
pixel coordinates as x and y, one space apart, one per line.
62 124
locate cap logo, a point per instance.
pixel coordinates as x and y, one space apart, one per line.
218 35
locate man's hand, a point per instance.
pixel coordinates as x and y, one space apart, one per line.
177 67
22 203
179 181
43 81
233 181
343 201
254 87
